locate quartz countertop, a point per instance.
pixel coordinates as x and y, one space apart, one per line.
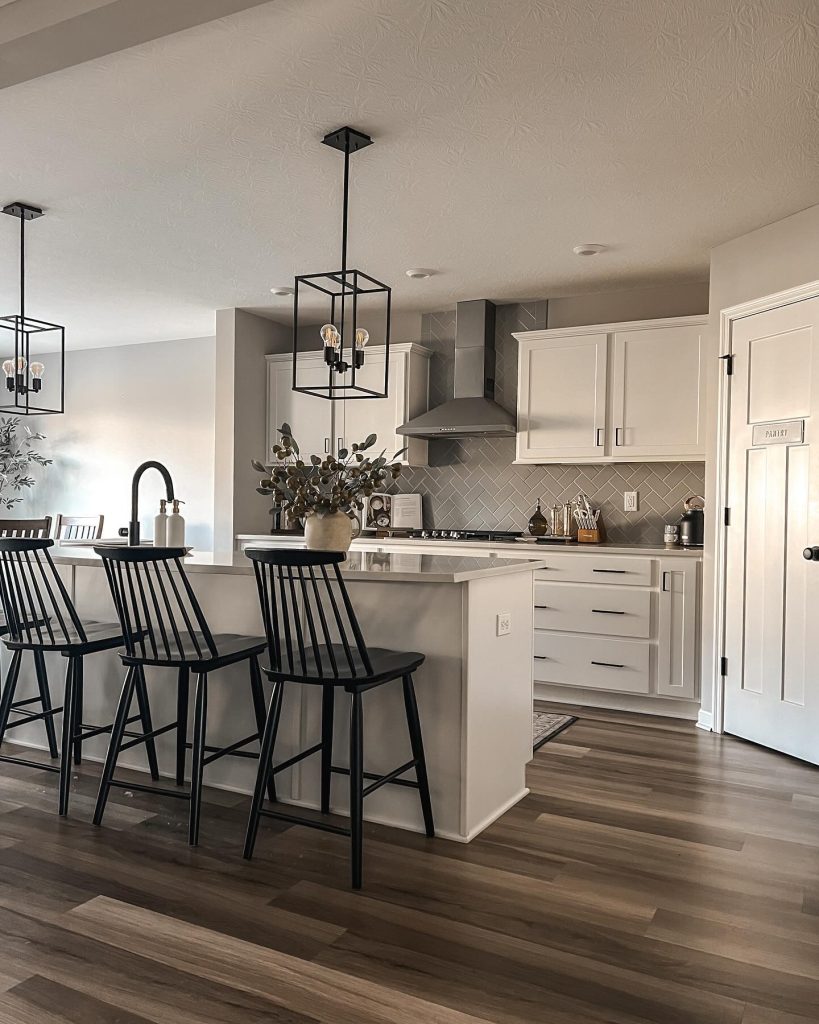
394 566
522 549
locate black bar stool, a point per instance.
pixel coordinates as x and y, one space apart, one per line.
314 638
41 617
164 626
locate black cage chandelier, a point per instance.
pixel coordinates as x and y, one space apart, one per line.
349 295
35 365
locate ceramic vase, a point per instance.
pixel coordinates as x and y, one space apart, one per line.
328 533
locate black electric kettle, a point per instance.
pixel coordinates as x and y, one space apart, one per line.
692 522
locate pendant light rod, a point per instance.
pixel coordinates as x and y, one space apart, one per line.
346 140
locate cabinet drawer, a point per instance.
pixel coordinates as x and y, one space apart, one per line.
586 608
593 662
570 567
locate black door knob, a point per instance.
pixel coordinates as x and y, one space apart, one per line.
812 554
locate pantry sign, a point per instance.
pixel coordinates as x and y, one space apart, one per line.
779 432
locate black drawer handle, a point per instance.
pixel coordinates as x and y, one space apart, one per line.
545 607
607 664
606 611
541 657
620 572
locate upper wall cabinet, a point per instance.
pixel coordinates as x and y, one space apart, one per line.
628 392
322 426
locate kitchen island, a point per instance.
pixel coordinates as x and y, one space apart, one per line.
474 689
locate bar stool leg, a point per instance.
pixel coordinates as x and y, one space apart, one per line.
78 702
200 716
182 685
45 700
69 721
117 732
141 689
328 696
271 727
9 689
417 744
357 787
257 691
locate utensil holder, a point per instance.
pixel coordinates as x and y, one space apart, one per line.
588 536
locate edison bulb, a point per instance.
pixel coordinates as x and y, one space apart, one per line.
21 364
37 370
8 367
330 336
361 338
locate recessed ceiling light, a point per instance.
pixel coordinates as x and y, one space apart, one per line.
589 249
419 273
283 290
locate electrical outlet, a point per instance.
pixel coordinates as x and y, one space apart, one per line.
504 623
631 501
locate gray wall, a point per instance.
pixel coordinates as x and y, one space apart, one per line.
771 259
473 482
124 405
242 341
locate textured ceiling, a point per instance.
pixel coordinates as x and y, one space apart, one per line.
185 175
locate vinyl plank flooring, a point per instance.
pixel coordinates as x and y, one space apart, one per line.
654 875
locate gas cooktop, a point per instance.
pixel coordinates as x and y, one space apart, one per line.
502 536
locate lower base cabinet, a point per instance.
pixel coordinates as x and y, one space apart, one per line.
633 630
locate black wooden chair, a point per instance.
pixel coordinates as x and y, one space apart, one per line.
164 626
41 618
78 528
314 638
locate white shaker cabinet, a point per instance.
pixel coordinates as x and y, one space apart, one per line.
322 426
657 392
310 417
678 629
629 392
562 398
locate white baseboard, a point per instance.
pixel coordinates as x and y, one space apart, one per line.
665 707
705 720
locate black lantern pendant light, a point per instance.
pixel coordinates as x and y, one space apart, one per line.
24 375
349 295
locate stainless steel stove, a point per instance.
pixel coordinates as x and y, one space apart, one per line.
494 536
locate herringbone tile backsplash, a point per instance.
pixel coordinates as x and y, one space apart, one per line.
473 483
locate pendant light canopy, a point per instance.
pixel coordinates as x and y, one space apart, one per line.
350 297
32 351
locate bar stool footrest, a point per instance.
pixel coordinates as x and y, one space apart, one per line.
391 777
295 819
30 716
144 737
30 764
157 790
296 758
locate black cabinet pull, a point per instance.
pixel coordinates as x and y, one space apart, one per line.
545 607
598 436
665 577
607 664
541 657
617 432
606 611
620 572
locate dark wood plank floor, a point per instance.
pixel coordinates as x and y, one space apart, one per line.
655 874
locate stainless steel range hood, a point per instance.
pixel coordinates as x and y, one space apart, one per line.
473 412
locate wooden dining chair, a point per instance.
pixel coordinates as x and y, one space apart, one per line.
37 528
78 528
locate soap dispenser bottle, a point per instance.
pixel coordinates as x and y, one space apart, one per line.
161 525
176 526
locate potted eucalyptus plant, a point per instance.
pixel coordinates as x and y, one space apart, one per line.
17 456
324 490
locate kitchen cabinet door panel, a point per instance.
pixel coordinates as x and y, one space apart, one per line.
677 633
562 398
310 417
657 393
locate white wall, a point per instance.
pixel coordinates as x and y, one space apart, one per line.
682 298
124 405
771 259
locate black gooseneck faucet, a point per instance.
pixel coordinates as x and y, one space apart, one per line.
133 526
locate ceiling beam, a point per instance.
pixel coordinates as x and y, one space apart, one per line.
38 37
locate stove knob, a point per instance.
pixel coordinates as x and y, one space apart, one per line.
454 534
434 533
424 534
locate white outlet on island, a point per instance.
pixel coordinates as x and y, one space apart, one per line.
631 501
504 623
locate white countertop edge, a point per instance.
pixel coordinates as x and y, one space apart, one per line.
518 549
236 564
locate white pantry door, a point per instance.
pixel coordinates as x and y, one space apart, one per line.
772 596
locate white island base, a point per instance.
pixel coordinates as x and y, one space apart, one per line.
474 689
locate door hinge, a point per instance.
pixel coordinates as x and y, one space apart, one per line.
726 518
729 364
723 666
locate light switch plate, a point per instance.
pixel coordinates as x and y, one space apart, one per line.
504 623
631 501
